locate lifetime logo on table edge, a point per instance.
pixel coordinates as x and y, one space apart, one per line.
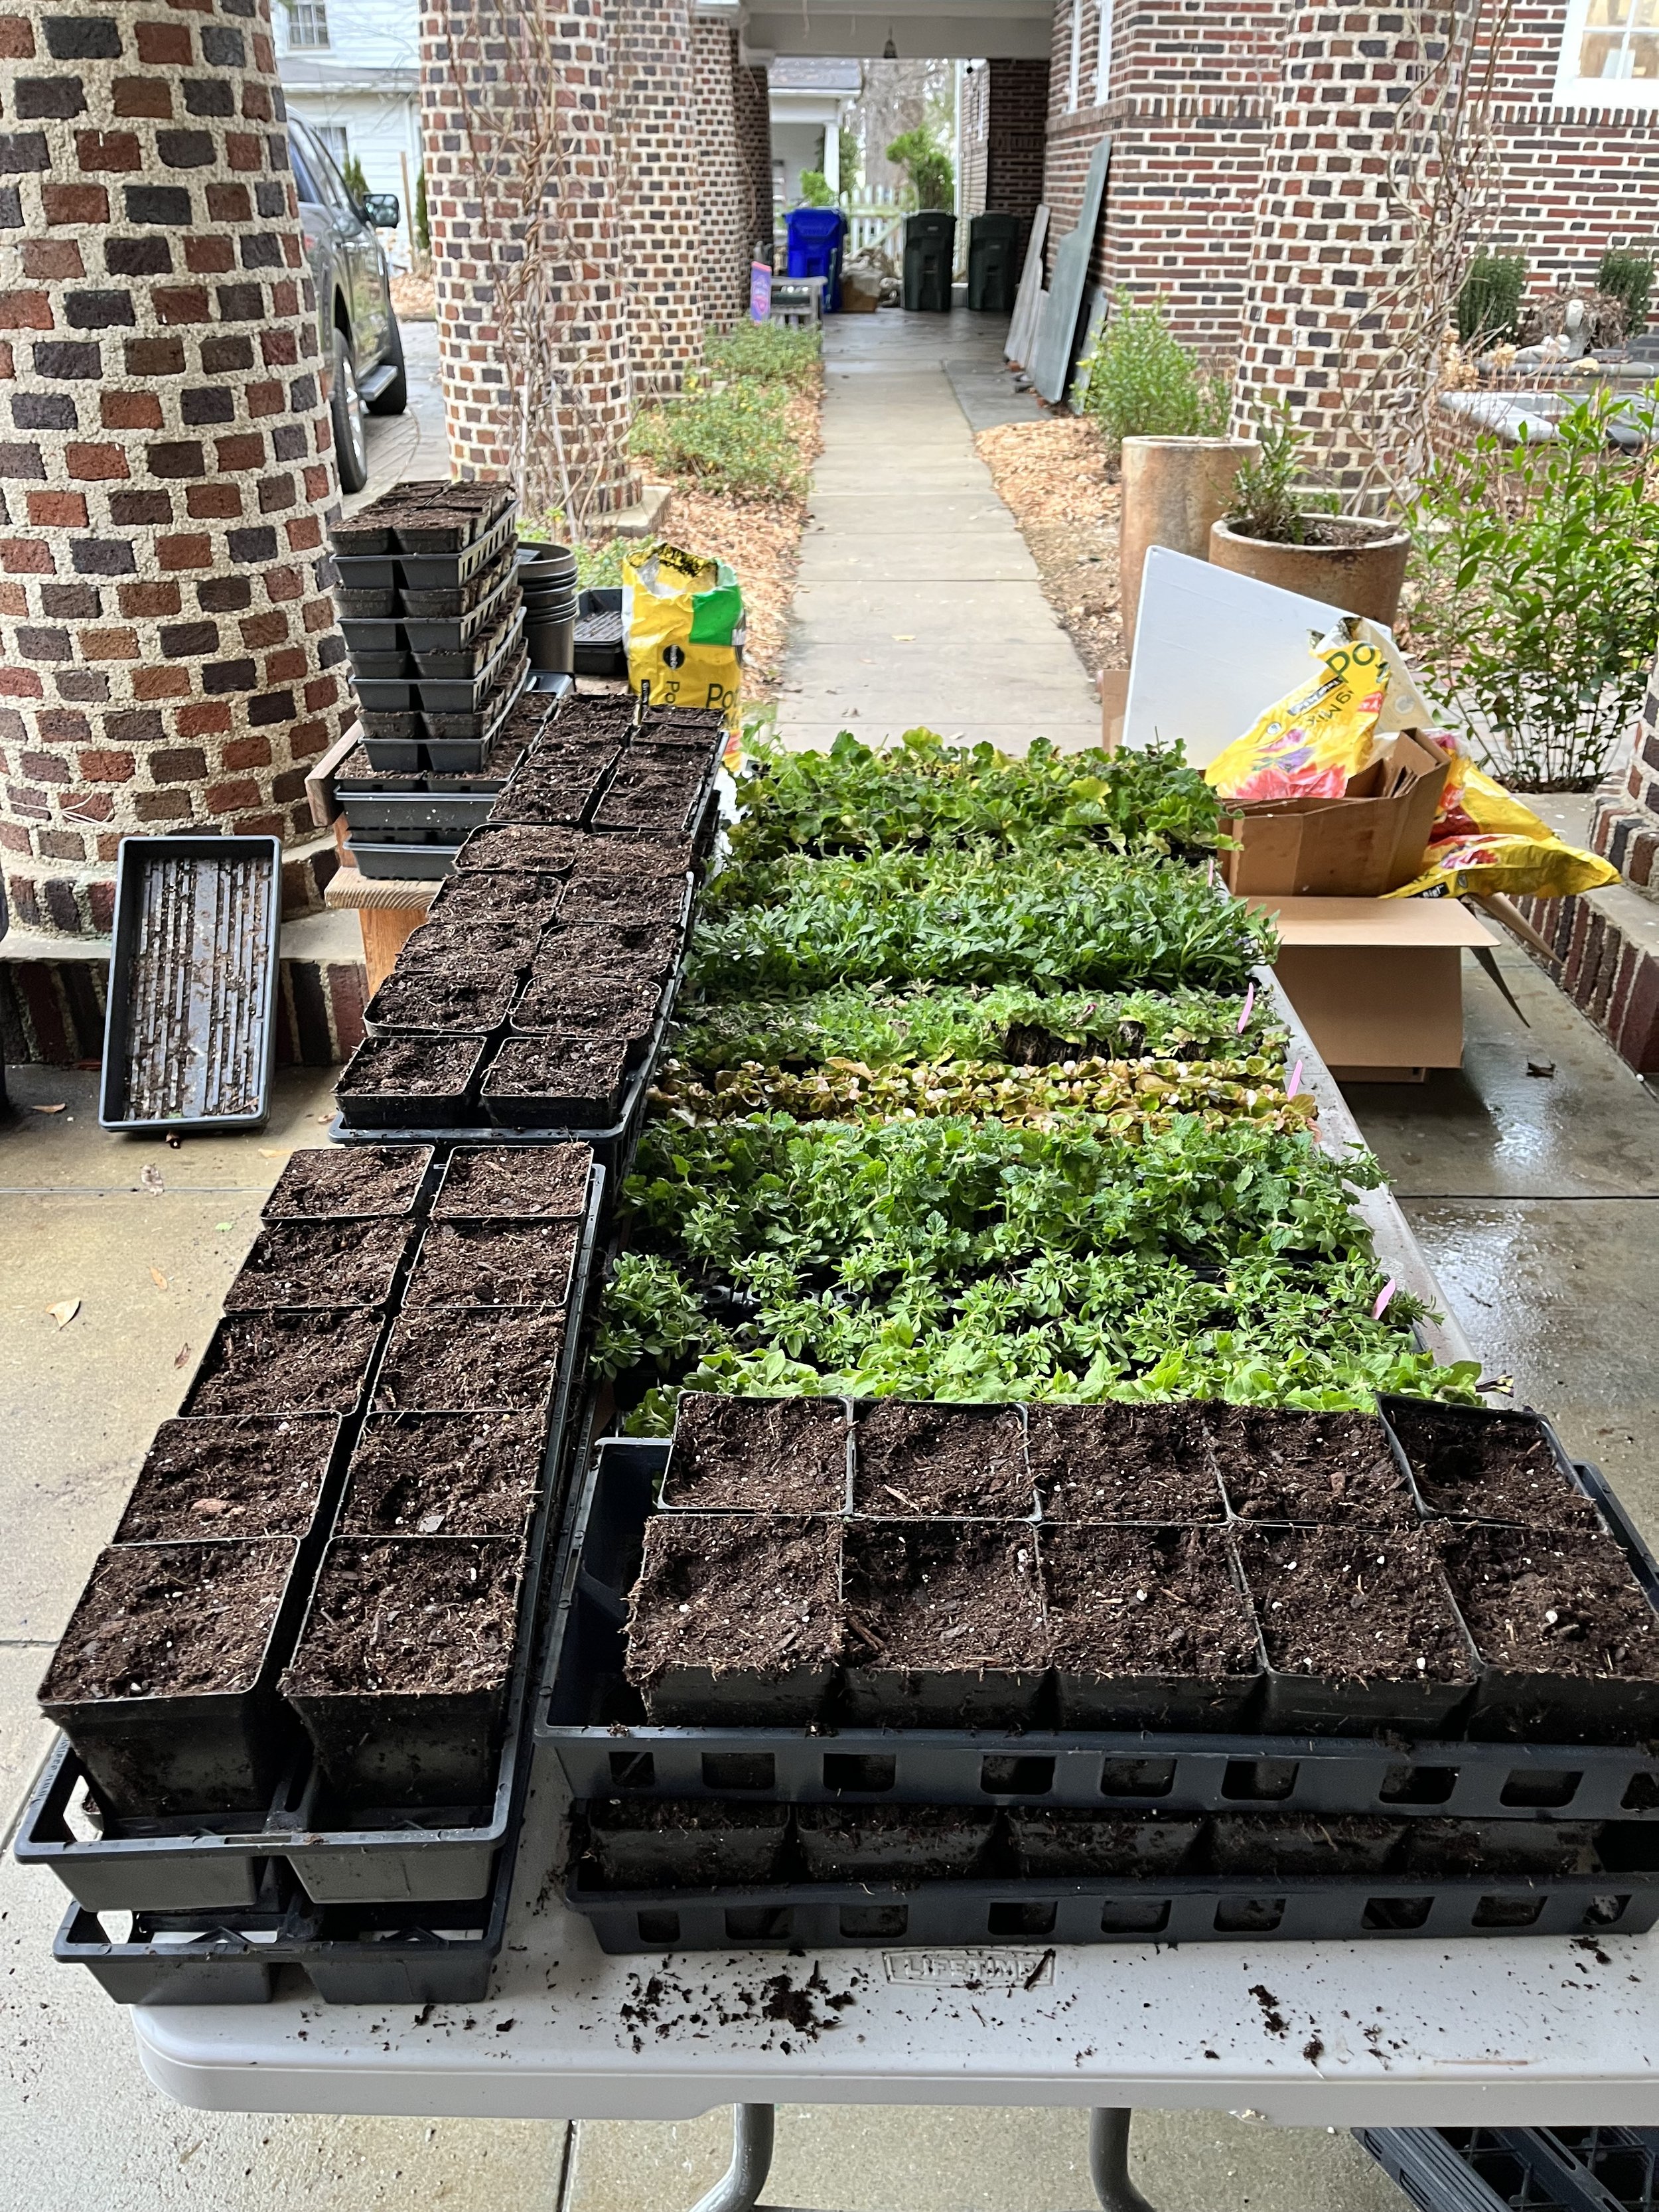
957 1969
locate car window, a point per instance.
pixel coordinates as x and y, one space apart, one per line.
333 184
304 183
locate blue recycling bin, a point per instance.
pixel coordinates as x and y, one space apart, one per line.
817 238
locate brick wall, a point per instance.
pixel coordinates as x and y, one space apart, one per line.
723 183
1006 111
659 231
168 658
753 99
497 84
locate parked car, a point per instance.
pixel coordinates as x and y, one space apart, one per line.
358 329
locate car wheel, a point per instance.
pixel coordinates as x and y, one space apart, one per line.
393 399
346 408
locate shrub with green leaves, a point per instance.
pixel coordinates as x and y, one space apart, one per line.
927 165
1141 382
728 432
920 792
1489 302
1626 276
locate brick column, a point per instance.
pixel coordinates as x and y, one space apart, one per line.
660 228
723 180
517 119
1326 238
168 660
1625 824
752 96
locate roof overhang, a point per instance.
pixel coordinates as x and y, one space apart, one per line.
1007 30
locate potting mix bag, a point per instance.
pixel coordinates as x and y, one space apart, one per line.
1309 745
682 617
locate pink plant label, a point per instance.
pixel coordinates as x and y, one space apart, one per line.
1295 1082
1244 1017
1382 1298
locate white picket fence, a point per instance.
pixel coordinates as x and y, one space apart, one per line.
874 219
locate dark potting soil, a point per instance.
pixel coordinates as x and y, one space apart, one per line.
731 1592
1080 1844
757 1455
523 902
639 802
471 1003
1328 1468
1128 1602
680 1843
550 1181
897 1844
925 1462
1551 1602
1471 1849
170 1621
455 947
331 1183
320 1263
493 1263
261 1476
460 1359
551 794
1495 1467
951 1597
423 1617
1353 1607
639 948
615 1001
634 861
519 844
444 1474
577 1081
281 1363
411 1068
620 901
1301 1844
1123 1464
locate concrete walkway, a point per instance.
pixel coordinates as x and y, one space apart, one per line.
918 602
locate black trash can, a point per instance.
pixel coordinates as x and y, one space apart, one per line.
993 278
930 244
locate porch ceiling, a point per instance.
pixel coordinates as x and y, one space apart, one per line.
944 29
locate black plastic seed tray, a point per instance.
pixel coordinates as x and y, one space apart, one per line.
190 1032
592 1723
1519 2169
402 863
415 1952
378 1855
411 692
417 817
423 572
416 633
601 647
420 743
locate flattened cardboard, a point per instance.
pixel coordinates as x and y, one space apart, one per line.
1371 841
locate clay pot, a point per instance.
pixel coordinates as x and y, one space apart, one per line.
1175 490
1362 575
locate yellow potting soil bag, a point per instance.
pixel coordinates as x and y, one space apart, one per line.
684 619
1484 841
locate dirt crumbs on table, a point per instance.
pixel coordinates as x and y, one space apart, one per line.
1055 479
659 2008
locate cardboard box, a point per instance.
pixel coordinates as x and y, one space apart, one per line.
1378 983
1369 842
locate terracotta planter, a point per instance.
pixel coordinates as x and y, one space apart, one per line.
1174 491
1363 574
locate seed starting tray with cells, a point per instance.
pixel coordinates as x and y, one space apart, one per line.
1519 2169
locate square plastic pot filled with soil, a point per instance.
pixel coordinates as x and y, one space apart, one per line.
679 1842
515 1183
551 794
1568 1636
1359 1631
945 1623
624 860
517 846
899 1843
163 1681
1056 1843
520 904
320 1263
930 1463
613 1001
1470 1465
1334 1469
736 1619
467 1358
546 1081
444 1474
452 948
493 1263
1334 1846
1149 1627
1149 1463
468 998
757 1455
366 1182
262 1475
400 1675
409 1083
285 1363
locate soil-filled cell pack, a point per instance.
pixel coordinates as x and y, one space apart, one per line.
282 1363
945 1622
545 1181
1123 1464
1334 1468
259 1476
444 1474
320 1263
757 1455
489 1263
923 1462
329 1184
464 1359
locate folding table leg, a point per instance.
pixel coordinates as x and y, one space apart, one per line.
738 2189
1109 2161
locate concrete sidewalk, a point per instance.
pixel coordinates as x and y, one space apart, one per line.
917 601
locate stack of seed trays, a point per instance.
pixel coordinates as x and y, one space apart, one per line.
404 822
1182 1672
295 1688
428 599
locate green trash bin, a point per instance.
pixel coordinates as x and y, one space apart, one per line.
993 279
929 249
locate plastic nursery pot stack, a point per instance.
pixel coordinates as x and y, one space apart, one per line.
535 995
1285 1634
299 1671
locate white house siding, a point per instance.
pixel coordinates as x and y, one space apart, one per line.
367 82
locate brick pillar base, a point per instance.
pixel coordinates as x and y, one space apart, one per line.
723 179
168 658
752 106
659 230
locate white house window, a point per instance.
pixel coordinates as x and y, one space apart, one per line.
307 25
1104 56
1610 55
1074 75
333 135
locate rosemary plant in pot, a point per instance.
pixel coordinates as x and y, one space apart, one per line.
1273 532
